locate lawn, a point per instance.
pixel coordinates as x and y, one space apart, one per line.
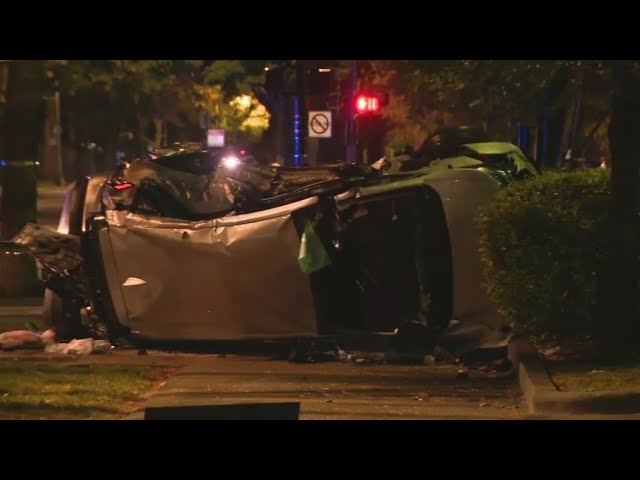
590 377
30 390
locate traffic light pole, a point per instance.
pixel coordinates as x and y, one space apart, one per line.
351 135
298 114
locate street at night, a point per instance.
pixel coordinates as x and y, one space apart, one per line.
319 239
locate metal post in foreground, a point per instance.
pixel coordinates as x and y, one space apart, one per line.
351 115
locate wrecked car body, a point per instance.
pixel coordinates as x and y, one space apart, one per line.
260 252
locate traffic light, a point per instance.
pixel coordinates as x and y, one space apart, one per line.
370 103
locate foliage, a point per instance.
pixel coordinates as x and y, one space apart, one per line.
114 96
427 94
542 251
243 117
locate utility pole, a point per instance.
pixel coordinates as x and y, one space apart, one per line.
350 125
298 114
58 135
22 130
52 140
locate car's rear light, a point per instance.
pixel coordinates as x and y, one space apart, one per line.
243 152
122 186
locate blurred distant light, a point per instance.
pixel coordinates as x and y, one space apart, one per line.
231 161
244 101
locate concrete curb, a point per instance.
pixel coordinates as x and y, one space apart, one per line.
543 398
139 413
21 311
178 400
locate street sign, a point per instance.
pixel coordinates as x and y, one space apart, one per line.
215 138
320 124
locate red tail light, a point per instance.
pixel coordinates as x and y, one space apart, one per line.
122 186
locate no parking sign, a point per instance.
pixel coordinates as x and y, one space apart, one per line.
320 124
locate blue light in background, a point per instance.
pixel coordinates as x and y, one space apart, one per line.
296 132
3 163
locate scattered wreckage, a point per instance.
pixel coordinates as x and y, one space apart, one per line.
185 247
35 340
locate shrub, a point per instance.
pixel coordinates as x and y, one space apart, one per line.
542 246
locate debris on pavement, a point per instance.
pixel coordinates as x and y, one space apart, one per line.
46 341
20 339
83 346
479 362
56 348
48 337
361 358
442 355
314 352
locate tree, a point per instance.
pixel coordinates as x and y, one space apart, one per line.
22 129
576 99
106 98
619 304
496 94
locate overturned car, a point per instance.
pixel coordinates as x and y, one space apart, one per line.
187 247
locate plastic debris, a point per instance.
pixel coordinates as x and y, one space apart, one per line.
20 339
83 346
48 337
56 348
24 339
312 256
101 346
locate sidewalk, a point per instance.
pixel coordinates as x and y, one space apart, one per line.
331 391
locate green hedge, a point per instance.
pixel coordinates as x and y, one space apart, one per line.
541 247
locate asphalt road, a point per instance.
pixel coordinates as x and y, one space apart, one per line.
50 201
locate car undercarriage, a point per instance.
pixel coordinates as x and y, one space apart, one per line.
261 252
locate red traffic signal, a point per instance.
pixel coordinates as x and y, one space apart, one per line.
367 103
